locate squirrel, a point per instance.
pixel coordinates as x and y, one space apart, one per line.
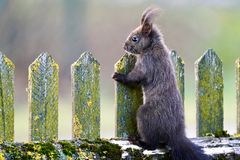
160 119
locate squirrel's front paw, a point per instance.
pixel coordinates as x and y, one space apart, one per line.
119 77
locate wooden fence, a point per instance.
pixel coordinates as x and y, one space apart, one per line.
43 96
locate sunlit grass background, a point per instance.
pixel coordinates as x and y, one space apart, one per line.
65 29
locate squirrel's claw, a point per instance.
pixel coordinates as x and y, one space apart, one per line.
118 77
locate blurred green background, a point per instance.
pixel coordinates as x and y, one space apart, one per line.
66 28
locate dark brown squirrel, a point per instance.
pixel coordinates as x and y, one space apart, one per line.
160 120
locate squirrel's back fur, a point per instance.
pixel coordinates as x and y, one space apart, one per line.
160 119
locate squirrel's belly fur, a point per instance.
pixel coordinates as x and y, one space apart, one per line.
160 116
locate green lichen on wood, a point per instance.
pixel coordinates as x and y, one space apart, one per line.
103 148
238 93
6 99
85 74
114 149
179 69
43 98
61 150
209 93
127 100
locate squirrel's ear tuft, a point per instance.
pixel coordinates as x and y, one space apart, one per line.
145 13
148 17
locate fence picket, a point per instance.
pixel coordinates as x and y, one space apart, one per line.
43 98
85 77
179 69
85 74
6 99
209 93
127 100
238 93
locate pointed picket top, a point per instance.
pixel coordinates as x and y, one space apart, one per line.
43 98
85 75
238 92
179 69
127 100
45 60
209 93
6 99
209 58
86 58
125 62
4 61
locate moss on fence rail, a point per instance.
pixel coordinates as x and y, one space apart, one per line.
114 149
78 149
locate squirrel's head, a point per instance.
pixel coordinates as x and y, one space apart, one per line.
142 37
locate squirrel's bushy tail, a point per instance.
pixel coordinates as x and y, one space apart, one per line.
184 149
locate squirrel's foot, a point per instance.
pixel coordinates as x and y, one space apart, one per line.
141 143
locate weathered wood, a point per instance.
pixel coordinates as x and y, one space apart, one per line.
6 99
43 98
238 93
209 93
127 100
86 97
179 69
114 149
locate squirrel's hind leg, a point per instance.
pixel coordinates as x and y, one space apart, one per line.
147 129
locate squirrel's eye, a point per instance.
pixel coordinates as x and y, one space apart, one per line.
135 38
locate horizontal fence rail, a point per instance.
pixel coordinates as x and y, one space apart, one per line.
85 79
